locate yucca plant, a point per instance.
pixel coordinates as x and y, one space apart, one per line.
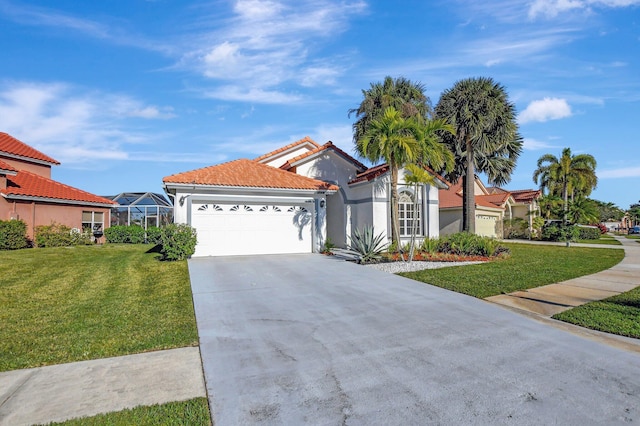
366 246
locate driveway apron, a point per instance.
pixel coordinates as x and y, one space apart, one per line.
307 339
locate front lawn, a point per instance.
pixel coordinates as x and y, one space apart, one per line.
194 412
618 314
604 239
70 304
529 266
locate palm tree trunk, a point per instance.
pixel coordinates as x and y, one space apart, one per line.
469 191
395 234
565 207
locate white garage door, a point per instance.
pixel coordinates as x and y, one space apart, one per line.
486 225
226 229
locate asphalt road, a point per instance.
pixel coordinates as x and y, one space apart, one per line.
307 339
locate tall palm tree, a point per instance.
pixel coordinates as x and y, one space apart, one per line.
400 141
568 174
486 137
405 96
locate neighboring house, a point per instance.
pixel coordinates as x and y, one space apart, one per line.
493 205
292 200
28 193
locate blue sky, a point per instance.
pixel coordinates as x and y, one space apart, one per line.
124 92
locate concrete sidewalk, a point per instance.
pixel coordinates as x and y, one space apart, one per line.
551 299
86 388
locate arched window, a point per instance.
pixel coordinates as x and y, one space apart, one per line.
407 215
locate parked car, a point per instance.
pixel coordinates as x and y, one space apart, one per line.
634 230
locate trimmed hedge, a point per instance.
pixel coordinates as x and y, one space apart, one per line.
13 235
466 244
134 234
585 233
57 235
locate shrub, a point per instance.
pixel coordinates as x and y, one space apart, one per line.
57 235
555 231
117 234
588 233
466 244
429 245
122 234
13 235
178 242
366 246
154 235
516 228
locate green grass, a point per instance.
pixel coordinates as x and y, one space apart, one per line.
618 314
633 237
603 240
193 412
70 304
529 266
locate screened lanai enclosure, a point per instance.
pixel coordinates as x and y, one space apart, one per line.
146 209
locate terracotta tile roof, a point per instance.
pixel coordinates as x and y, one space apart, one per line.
328 145
13 146
452 198
27 184
248 173
6 167
374 172
371 174
302 141
526 195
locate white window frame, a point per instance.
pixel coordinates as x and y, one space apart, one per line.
94 224
405 213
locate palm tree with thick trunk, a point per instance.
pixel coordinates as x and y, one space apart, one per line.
486 137
567 175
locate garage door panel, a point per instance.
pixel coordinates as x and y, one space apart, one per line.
234 229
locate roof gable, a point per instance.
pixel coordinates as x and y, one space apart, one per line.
293 162
32 186
248 173
379 170
304 143
12 147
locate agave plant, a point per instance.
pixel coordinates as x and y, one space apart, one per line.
366 246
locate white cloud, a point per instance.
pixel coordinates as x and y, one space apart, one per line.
625 172
553 8
70 125
544 110
268 43
535 145
47 17
340 135
251 94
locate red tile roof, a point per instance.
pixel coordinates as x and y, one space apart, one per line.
27 184
526 195
326 146
452 198
371 174
374 172
302 141
12 146
248 173
7 167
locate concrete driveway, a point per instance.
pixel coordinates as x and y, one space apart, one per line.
307 339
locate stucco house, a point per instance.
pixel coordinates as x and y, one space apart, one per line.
28 193
292 200
493 205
